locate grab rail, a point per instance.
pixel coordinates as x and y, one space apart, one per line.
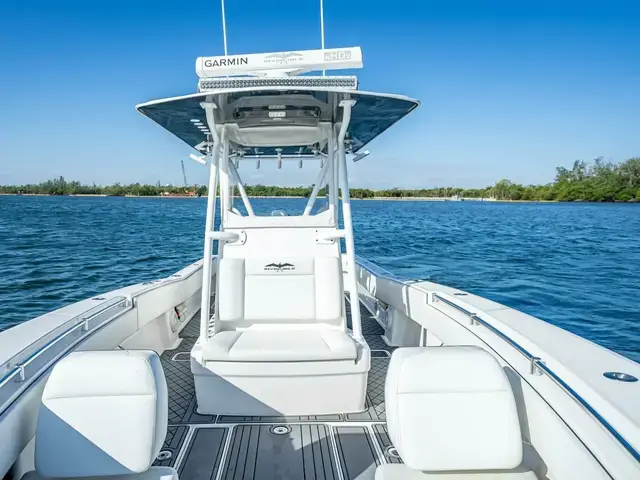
26 366
23 368
176 277
476 320
29 364
378 271
538 367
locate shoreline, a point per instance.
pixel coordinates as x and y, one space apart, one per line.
391 199
422 199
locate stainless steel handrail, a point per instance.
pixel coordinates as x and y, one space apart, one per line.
475 319
538 367
20 366
168 280
377 270
16 376
80 323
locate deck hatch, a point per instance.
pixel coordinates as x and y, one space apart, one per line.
305 452
358 458
204 455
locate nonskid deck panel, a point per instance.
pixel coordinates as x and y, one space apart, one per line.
182 404
342 446
262 451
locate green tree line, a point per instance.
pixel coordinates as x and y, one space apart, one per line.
596 181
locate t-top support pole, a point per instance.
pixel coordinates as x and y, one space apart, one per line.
224 208
356 322
316 189
225 181
332 186
241 190
336 172
213 155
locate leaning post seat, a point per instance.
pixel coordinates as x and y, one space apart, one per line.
103 415
281 345
451 415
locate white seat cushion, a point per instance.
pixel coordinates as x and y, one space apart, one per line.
279 290
402 472
451 409
102 413
154 473
280 346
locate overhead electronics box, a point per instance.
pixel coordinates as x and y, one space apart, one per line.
279 64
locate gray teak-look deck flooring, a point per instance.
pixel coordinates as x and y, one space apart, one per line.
223 447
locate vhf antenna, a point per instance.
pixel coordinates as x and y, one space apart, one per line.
224 29
321 28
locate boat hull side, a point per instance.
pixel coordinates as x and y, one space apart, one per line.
570 440
150 324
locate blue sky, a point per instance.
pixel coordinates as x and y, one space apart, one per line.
508 89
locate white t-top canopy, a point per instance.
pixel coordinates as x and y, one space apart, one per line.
277 120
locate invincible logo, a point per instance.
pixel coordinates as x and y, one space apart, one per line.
283 58
279 267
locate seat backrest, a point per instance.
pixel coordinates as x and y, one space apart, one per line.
102 413
451 409
275 290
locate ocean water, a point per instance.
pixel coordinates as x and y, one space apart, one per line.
574 265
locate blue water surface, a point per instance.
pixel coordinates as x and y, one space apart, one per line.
574 265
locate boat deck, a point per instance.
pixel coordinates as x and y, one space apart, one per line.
342 447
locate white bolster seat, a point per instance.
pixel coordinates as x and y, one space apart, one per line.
451 415
283 291
280 341
103 414
280 346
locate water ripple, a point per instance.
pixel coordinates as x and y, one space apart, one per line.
574 265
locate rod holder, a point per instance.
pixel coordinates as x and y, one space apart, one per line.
360 156
22 376
534 367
